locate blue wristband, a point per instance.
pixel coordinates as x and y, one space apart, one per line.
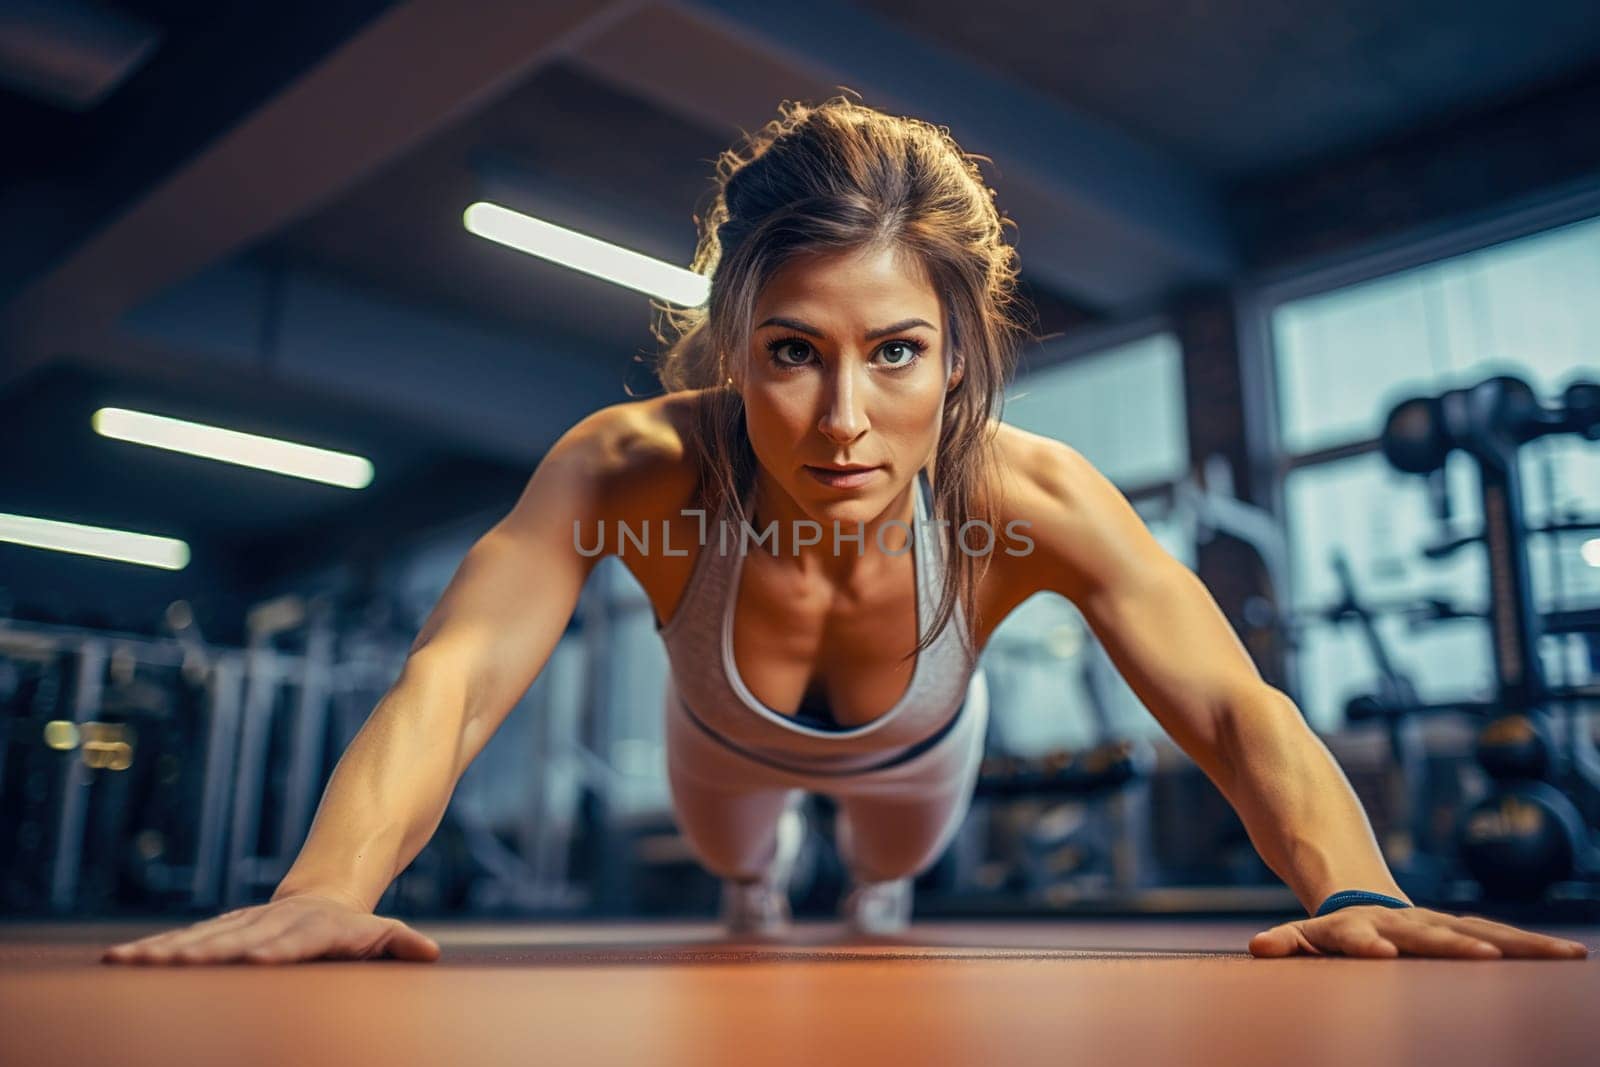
1346 898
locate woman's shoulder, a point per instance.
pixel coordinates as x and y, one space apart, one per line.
1030 467
641 453
1085 530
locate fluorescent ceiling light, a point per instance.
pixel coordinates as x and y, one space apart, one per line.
588 254
1591 552
163 552
231 446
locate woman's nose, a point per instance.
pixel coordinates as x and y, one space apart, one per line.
843 415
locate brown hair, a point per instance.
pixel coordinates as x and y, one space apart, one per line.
836 177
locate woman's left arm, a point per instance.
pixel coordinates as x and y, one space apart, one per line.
1166 635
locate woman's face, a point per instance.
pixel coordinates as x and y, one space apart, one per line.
847 368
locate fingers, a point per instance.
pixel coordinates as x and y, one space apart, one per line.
1357 938
324 934
404 943
281 932
1271 943
159 948
1384 934
1512 942
1317 937
1419 938
225 939
230 944
1285 940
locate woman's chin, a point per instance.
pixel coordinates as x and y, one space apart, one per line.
846 511
846 506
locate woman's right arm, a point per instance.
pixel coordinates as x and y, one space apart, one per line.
484 642
482 645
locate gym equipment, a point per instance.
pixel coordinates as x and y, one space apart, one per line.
1524 837
163 774
1518 746
1409 843
1529 833
298 684
140 770
1064 772
1067 824
37 715
101 748
1205 505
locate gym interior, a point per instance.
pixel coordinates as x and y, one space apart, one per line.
1317 286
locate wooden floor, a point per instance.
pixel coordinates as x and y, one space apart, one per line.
1063 992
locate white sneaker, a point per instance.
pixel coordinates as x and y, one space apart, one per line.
761 908
878 909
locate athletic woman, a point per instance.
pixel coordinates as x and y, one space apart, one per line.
836 397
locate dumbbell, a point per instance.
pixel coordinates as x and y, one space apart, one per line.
1517 747
1066 772
1523 838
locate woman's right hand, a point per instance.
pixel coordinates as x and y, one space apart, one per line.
303 927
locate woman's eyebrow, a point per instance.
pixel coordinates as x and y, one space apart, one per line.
872 335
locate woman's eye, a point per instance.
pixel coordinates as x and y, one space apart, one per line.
908 353
782 346
897 353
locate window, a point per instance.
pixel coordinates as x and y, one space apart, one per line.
1342 360
1121 407
1051 685
1530 307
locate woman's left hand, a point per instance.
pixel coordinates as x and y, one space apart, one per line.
1383 933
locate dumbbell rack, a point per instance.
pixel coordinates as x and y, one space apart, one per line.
242 687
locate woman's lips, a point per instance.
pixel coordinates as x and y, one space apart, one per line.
837 479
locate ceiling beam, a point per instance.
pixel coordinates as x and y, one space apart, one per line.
411 73
1101 215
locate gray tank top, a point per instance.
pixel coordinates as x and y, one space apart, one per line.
699 644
